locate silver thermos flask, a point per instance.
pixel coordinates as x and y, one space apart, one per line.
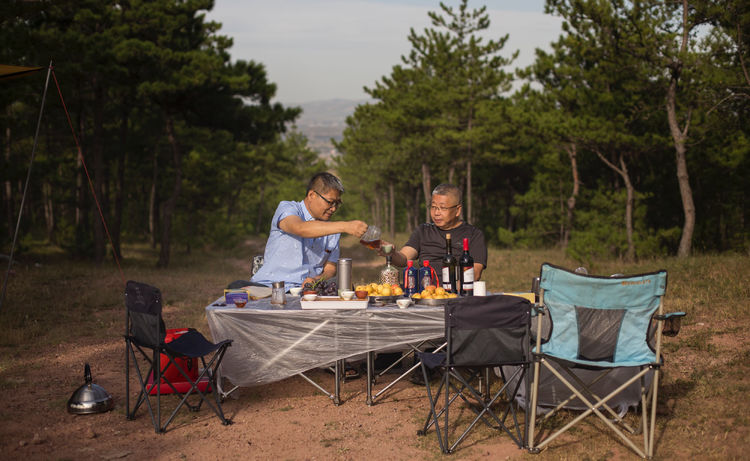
344 274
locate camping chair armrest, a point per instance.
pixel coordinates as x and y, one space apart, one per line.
669 315
672 321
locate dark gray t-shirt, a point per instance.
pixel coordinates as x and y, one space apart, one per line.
429 241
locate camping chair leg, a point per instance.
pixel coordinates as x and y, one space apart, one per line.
486 408
572 397
652 426
645 396
145 389
432 417
527 410
207 371
441 389
594 408
520 375
599 400
127 377
534 395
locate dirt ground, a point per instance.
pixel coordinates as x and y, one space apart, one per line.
285 420
702 413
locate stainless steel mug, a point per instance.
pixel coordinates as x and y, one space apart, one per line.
344 275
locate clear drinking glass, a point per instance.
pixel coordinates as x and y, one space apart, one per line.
371 238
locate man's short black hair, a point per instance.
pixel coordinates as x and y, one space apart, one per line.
325 182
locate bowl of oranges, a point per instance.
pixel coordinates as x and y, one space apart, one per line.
433 296
381 292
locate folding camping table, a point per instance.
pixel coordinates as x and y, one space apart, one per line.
271 343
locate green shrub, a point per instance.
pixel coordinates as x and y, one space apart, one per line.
504 238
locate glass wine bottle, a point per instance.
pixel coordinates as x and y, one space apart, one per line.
466 271
450 264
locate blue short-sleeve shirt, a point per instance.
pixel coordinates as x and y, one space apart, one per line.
291 258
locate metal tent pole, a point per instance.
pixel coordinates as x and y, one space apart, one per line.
25 187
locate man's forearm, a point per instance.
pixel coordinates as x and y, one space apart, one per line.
478 271
329 270
398 259
314 229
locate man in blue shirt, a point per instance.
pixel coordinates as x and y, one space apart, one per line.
303 245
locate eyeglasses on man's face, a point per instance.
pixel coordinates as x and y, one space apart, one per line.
330 203
442 209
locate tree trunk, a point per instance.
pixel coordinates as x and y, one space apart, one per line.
98 206
629 202
426 190
392 210
572 155
171 203
49 214
259 221
81 208
415 207
116 227
469 203
679 137
7 185
378 210
153 200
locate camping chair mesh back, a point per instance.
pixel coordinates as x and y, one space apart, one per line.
482 333
600 323
146 333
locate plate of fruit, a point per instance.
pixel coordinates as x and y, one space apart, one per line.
433 296
322 287
382 292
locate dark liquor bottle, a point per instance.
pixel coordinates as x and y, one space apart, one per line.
466 271
450 266
411 279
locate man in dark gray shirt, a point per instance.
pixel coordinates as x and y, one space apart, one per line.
428 240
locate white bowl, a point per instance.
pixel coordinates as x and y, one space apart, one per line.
347 295
295 291
310 297
403 303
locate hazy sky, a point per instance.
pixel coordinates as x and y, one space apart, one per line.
326 49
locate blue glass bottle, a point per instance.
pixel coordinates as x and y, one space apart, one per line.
411 279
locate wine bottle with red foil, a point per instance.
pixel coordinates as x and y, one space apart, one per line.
450 266
466 271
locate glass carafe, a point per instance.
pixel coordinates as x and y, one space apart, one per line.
389 274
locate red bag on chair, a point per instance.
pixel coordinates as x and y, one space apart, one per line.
172 374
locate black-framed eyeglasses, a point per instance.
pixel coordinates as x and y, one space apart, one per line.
442 209
331 203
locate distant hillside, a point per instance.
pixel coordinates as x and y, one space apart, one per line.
322 120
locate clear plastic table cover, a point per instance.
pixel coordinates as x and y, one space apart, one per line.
271 343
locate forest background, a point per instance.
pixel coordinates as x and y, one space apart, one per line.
629 139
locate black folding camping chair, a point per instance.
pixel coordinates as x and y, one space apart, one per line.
146 333
482 333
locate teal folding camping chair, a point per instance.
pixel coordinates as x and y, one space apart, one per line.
602 323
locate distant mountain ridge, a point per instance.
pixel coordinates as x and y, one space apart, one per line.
328 111
325 119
